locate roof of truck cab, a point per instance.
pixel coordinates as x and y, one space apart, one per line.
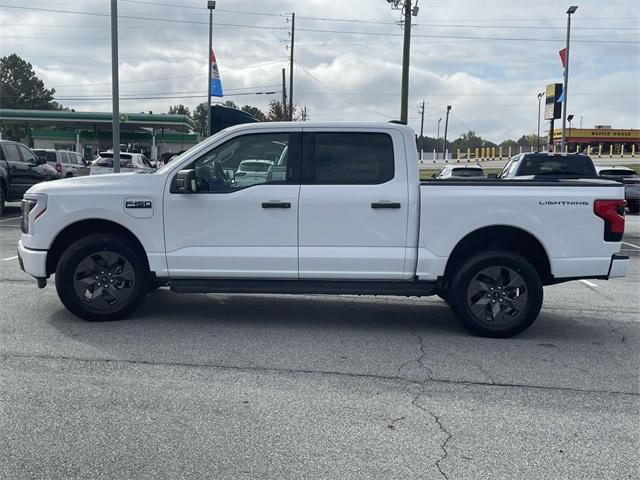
310 125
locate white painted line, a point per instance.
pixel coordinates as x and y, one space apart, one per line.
10 258
587 282
631 245
9 219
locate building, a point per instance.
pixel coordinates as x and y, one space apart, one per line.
91 132
600 138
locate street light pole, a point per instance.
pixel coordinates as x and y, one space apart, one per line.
211 6
446 126
540 95
570 11
115 91
421 128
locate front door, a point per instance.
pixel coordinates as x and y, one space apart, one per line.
232 227
353 205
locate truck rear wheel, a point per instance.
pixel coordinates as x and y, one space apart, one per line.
496 294
100 277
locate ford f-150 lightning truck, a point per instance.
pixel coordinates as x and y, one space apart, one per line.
346 214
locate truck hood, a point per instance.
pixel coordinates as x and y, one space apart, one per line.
114 183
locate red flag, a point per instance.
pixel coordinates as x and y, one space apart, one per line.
563 57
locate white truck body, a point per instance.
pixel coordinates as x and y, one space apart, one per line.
328 232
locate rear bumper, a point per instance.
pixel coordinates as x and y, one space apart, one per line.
619 266
33 262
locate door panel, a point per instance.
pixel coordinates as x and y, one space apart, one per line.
353 231
229 231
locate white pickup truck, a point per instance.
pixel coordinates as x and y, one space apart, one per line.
348 215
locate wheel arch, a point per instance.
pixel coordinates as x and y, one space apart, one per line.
504 237
82 228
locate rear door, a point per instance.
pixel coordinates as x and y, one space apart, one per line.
353 204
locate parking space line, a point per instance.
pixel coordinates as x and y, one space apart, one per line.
631 245
9 219
588 283
10 258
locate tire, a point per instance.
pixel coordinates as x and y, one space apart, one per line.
100 277
496 294
2 197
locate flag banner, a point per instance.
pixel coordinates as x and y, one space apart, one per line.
215 89
563 57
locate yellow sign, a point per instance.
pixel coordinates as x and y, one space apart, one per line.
603 135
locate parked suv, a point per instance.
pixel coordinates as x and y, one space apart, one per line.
129 162
20 169
67 164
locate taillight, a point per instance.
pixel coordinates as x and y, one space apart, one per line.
58 168
612 212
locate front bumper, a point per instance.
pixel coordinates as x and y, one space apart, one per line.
33 262
619 266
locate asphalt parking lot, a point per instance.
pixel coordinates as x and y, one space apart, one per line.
250 386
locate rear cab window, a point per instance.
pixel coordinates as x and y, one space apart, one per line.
348 158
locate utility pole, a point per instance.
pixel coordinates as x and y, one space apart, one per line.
284 95
406 54
211 5
570 11
421 128
115 90
293 33
407 11
438 139
446 126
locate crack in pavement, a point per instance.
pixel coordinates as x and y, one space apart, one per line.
441 427
443 381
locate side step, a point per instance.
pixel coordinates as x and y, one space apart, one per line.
303 287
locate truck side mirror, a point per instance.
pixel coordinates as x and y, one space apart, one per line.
185 182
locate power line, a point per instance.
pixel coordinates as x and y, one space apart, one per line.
338 94
312 30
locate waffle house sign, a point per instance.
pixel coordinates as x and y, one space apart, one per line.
599 135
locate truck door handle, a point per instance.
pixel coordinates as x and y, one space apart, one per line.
276 204
377 205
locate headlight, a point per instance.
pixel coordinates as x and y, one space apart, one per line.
27 206
32 208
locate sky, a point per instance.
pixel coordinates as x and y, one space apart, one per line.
487 59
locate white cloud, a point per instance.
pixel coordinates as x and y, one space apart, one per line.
491 85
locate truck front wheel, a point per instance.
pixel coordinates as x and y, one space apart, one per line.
100 277
496 294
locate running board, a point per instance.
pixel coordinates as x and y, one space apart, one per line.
409 288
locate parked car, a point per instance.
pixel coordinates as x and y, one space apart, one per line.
457 172
20 169
352 218
631 181
548 166
129 163
67 164
251 172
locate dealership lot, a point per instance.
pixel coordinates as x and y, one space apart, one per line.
246 386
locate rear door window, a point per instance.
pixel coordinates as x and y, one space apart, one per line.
12 153
348 158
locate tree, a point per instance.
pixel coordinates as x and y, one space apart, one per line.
179 110
200 119
276 112
255 111
21 88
